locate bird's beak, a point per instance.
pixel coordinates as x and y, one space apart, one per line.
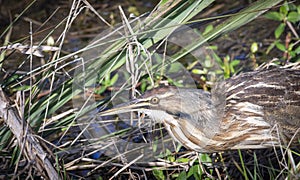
134 105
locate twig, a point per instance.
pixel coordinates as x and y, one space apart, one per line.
126 166
32 149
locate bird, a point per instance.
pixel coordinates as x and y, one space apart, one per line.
252 110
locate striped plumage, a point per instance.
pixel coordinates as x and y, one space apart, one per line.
269 102
258 109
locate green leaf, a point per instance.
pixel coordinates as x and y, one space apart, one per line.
235 62
226 67
270 47
195 171
280 46
171 158
214 48
199 71
284 9
293 17
183 160
182 176
274 16
100 90
254 47
208 28
297 50
159 174
292 7
205 159
15 155
5 137
279 30
290 48
292 54
114 79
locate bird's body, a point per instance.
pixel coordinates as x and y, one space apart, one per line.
258 109
269 101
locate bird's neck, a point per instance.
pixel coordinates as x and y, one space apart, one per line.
207 111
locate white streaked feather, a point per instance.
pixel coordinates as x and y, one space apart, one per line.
235 95
264 85
236 86
250 107
297 92
257 121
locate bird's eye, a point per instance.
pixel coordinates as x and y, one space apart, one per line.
154 100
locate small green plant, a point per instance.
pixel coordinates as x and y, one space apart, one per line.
196 170
108 81
288 15
159 174
228 67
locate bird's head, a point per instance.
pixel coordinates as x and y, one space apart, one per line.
170 102
184 112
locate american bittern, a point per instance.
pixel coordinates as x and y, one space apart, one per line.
259 109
